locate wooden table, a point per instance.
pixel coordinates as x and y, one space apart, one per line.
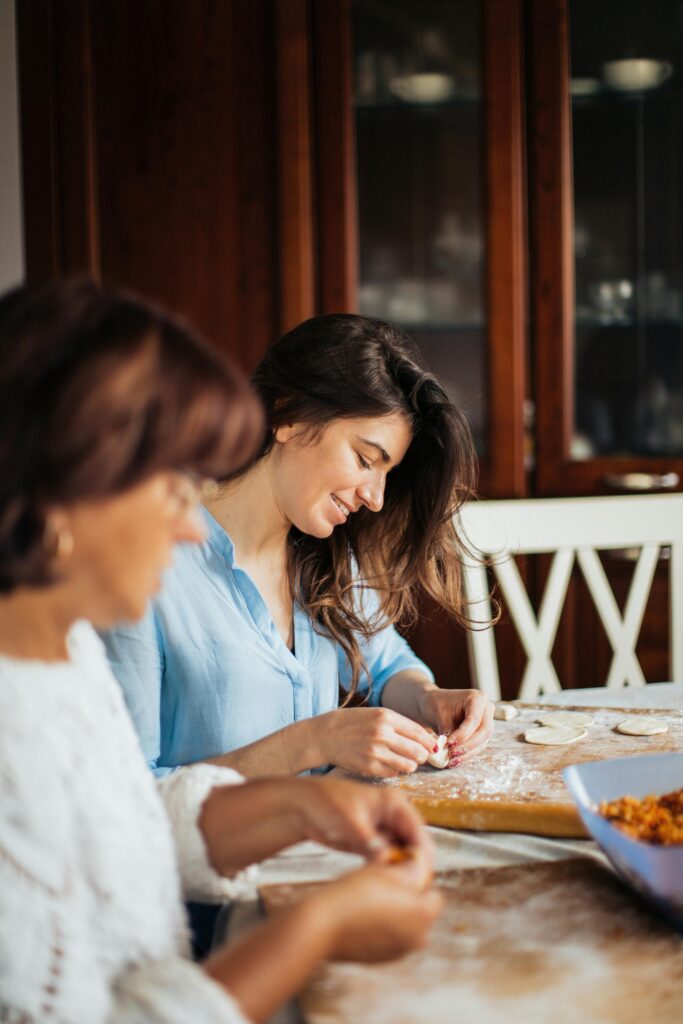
455 850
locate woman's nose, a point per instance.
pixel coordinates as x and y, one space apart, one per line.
372 494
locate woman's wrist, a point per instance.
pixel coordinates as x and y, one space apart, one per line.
322 918
425 700
274 960
246 823
306 742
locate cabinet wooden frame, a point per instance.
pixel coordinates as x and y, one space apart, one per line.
552 270
503 470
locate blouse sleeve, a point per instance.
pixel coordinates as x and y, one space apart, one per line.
184 793
136 657
384 654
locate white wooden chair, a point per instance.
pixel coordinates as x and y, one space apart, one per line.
575 529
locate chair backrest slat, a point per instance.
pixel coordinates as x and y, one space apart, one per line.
575 529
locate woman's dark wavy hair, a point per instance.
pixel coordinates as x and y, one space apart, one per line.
98 391
345 365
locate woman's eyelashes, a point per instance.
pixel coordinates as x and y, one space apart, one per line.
364 463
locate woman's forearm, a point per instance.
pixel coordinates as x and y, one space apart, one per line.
271 964
288 751
244 824
404 692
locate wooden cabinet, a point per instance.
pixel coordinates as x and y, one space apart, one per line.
249 163
582 262
605 142
426 191
581 235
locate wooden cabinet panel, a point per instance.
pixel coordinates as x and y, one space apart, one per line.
148 136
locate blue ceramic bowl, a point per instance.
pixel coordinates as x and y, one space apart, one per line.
654 871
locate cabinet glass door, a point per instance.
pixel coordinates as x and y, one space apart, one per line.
420 182
627 131
605 119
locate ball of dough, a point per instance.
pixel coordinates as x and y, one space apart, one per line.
440 758
565 719
641 726
553 735
505 712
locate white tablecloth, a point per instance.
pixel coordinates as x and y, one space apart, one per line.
454 849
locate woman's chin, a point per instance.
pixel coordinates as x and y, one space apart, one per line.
319 527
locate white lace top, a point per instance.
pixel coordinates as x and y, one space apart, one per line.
95 856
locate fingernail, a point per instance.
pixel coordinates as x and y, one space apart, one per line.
435 748
454 762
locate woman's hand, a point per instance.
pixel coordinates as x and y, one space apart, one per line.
371 741
246 823
465 716
363 819
376 914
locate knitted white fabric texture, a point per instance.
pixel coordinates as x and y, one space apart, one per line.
92 864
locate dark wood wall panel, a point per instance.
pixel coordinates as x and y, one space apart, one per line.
183 133
148 139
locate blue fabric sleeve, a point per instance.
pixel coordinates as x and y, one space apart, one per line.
135 654
384 654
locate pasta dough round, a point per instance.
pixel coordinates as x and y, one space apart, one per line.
553 735
641 726
505 712
441 757
565 719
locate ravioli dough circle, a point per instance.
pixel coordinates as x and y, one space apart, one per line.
641 727
565 719
553 735
442 756
505 712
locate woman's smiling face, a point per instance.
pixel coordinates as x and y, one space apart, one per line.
320 481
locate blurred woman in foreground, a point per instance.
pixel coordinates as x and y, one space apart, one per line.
110 414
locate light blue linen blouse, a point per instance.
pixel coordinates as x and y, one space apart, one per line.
206 670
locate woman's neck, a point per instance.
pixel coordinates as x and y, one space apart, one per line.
248 511
34 624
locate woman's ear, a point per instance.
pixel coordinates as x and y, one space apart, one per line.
58 538
284 433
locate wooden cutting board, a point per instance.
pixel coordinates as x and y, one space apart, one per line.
527 944
516 787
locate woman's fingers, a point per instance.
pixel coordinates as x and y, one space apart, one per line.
478 713
462 750
477 744
362 819
406 825
387 763
413 731
398 744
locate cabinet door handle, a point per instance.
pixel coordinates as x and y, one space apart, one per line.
641 482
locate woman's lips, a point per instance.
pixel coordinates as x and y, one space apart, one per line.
341 515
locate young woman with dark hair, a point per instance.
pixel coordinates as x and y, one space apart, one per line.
110 415
314 552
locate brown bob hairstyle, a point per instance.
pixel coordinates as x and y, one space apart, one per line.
97 392
344 365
